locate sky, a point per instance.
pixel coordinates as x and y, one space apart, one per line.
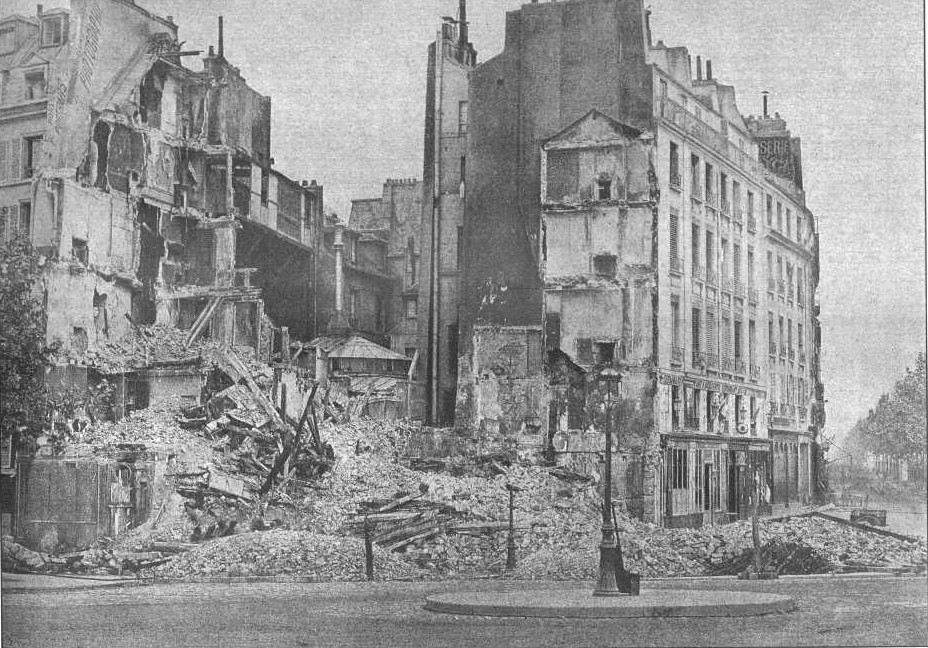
347 81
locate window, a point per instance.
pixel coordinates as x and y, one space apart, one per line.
463 168
411 261
771 339
32 155
726 337
676 406
695 187
771 278
674 242
751 208
750 268
604 188
695 246
712 347
412 308
25 218
675 319
605 265
710 251
799 338
409 352
779 216
462 117
7 40
604 352
799 227
739 415
354 305
460 245
53 31
663 89
782 336
584 351
724 260
35 85
789 223
710 185
697 333
691 408
752 342
674 164
265 185
739 325
679 468
736 199
752 415
789 335
736 266
780 274
79 250
723 192
769 211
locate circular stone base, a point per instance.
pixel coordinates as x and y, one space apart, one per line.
582 604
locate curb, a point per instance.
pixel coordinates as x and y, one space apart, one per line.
581 604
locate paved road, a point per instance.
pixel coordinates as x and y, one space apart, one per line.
832 611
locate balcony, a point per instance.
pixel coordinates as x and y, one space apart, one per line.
792 354
736 214
712 277
740 366
676 265
782 350
712 360
781 287
739 288
800 302
802 357
726 206
752 295
773 349
803 413
676 355
696 191
755 372
712 199
771 284
728 364
726 284
676 182
752 223
699 272
699 359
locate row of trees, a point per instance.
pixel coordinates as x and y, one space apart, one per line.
896 428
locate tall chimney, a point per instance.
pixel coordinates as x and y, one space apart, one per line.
339 325
765 93
698 67
39 10
220 38
708 70
647 25
462 24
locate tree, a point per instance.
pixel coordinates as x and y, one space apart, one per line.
23 351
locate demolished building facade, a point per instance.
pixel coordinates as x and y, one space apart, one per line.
613 220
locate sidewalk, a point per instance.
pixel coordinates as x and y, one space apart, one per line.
15 583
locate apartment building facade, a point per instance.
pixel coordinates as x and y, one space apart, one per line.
623 225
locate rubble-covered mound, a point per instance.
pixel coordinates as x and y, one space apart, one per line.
282 552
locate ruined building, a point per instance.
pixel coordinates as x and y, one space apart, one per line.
148 185
621 213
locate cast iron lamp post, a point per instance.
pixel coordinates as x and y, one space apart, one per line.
609 382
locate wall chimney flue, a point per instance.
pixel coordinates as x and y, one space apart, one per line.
698 67
462 24
765 94
221 49
708 70
338 324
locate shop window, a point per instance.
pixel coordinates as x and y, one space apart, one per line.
679 468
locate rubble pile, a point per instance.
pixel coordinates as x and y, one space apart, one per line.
277 552
96 560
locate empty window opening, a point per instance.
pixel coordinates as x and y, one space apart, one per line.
604 352
604 188
79 250
150 99
101 141
605 265
32 155
101 317
412 308
35 85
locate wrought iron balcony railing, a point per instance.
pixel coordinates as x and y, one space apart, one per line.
726 206
752 295
712 360
699 272
676 355
792 354
712 277
755 372
773 348
726 284
802 357
711 198
781 286
675 180
740 366
771 284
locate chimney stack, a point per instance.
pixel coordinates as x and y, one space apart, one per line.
462 24
339 325
765 93
698 67
39 10
708 70
220 38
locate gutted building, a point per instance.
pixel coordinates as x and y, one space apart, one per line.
148 185
620 214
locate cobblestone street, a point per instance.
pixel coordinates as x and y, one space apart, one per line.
869 610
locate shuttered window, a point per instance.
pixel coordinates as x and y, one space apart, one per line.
711 334
4 161
674 241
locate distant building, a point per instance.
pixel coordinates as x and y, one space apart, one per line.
622 213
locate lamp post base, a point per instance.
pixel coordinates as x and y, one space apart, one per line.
606 584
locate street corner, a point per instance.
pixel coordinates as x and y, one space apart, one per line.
577 603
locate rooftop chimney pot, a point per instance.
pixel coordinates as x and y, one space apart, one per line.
698 67
708 70
221 50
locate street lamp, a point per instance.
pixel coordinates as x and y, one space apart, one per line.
613 579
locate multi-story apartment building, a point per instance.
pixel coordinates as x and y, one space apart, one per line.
451 59
616 217
149 186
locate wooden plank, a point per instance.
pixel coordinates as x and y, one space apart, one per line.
426 534
234 365
403 532
862 527
399 502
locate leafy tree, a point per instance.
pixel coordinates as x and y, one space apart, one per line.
23 351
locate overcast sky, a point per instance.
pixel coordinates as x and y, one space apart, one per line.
347 81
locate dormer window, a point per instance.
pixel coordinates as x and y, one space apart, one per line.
53 31
7 40
604 188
